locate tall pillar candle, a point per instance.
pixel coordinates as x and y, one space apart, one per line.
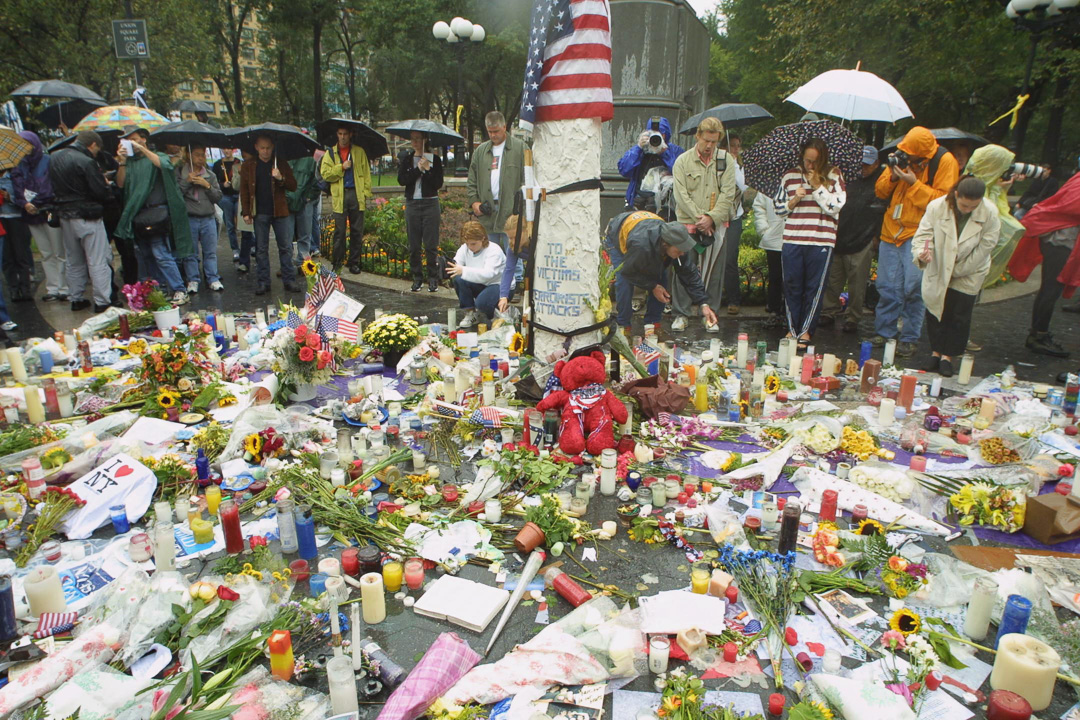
18 367
742 349
886 413
977 619
865 350
828 365
1027 667
164 546
907 391
988 409
373 598
807 369
967 363
342 679
870 374
783 355
43 591
794 363
35 410
889 357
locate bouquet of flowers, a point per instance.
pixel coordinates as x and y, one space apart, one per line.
677 435
922 660
392 333
55 505
1000 507
683 699
146 295
303 356
183 358
265 444
902 578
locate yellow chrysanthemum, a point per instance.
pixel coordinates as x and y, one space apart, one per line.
137 347
905 622
822 709
167 398
870 527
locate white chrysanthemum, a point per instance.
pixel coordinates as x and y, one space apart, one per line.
922 654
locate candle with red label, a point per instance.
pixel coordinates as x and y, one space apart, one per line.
828 506
917 463
229 514
731 652
807 369
907 392
350 563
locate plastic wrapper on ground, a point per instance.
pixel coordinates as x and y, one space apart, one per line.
447 660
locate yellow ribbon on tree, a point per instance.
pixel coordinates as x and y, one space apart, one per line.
1014 112
457 118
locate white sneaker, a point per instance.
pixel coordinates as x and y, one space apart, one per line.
469 320
679 324
8 326
192 287
711 327
180 298
216 286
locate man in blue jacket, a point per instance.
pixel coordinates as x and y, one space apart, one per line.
654 148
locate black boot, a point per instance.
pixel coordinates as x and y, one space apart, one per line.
416 284
1043 343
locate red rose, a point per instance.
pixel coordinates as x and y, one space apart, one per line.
301 333
226 594
314 341
307 354
324 358
509 447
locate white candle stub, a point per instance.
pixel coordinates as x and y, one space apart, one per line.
1027 667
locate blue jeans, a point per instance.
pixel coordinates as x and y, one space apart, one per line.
156 261
316 224
899 283
283 236
4 317
204 238
228 204
503 241
806 270
476 296
301 221
624 293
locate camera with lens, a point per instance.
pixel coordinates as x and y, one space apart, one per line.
656 142
899 159
1026 169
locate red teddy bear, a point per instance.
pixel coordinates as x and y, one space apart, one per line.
588 408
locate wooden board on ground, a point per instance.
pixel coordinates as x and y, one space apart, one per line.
999 558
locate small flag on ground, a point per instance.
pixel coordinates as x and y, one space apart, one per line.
344 329
55 623
489 417
648 356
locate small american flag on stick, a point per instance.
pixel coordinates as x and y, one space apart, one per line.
344 329
327 283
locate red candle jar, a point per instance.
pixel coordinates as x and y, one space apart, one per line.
828 506
689 489
859 513
683 497
780 503
647 482
256 487
917 463
731 652
933 680
752 523
1071 430
299 570
805 661
475 508
350 561
732 594
450 493
1006 705
781 396
776 704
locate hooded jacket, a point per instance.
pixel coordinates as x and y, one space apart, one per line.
32 173
1059 211
631 166
907 203
79 187
645 262
989 163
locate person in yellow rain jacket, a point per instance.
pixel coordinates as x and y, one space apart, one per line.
919 171
346 169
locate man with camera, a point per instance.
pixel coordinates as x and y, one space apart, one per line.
654 149
496 173
919 171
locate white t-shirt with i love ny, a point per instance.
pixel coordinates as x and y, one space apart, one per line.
496 167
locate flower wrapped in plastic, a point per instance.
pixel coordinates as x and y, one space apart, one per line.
1002 507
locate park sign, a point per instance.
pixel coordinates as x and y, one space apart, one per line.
129 37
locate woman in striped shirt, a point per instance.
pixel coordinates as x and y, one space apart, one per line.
810 198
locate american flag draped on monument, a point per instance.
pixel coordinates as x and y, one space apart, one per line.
568 74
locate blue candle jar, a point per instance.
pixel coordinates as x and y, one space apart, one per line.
633 479
118 514
1014 618
317 583
305 533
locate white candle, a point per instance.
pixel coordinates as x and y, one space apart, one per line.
966 363
354 647
342 680
451 318
988 409
69 342
659 649
330 566
18 368
461 381
493 510
607 481
164 546
741 350
1027 667
230 326
783 354
489 393
828 365
714 348
43 591
886 412
935 387
795 364
373 598
336 590
35 410
977 620
890 352
260 318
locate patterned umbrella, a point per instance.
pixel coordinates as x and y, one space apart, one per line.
12 148
766 161
117 117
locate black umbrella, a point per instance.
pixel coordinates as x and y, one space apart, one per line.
731 114
373 142
437 134
192 106
290 142
944 136
68 112
56 89
110 137
766 161
191 132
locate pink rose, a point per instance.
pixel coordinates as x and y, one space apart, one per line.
324 358
314 341
307 354
300 333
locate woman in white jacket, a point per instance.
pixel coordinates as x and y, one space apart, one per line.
770 230
476 269
952 247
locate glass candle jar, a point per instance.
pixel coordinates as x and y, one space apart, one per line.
450 493
579 505
118 515
369 558
564 497
583 490
327 462
672 488
493 510
659 494
140 549
659 649
414 573
644 495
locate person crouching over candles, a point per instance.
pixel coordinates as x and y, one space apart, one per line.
952 247
476 270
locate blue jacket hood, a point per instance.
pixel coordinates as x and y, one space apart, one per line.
664 127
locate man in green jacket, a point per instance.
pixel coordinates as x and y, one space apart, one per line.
346 169
302 202
496 173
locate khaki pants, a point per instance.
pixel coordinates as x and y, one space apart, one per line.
854 272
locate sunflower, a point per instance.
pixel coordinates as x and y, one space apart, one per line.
253 444
226 400
870 527
309 267
517 343
905 622
167 398
822 710
772 385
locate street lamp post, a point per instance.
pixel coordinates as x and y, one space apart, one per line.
1035 16
457 32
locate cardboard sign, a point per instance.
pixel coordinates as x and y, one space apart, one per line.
120 480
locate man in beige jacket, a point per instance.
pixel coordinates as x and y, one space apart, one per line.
704 179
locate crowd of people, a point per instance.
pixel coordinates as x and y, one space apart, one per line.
939 223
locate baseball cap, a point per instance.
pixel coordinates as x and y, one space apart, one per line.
675 234
869 155
130 130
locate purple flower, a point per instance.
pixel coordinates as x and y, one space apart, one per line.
903 691
916 570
